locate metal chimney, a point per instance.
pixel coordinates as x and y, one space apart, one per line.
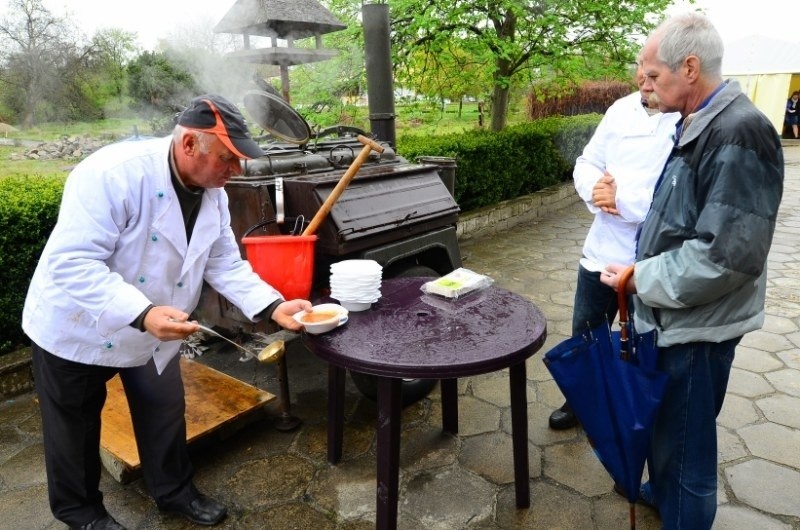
380 84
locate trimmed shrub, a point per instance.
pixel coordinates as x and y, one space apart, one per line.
522 159
587 98
28 211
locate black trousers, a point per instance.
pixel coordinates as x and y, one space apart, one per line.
71 397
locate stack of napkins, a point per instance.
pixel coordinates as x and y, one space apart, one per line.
457 283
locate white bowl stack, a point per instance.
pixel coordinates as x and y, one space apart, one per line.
356 283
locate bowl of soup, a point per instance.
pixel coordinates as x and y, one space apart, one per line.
322 318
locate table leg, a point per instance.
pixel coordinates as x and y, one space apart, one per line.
449 388
519 433
389 398
336 382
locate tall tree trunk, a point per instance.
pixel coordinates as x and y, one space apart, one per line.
499 107
506 26
502 79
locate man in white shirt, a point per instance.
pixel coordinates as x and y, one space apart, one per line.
142 225
615 177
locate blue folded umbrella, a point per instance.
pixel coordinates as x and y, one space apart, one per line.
610 381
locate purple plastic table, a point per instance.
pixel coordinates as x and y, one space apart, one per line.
409 334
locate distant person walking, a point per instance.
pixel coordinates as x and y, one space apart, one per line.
792 117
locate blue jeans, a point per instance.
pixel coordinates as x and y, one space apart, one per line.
594 303
683 459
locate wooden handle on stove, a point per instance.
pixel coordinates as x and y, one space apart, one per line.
324 210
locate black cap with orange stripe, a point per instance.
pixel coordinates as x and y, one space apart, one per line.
216 115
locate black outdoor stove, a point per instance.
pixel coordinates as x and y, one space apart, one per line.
400 214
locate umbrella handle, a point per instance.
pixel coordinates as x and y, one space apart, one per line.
622 302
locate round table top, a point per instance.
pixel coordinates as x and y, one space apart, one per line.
410 334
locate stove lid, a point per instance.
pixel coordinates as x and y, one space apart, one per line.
273 114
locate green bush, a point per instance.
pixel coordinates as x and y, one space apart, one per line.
522 159
28 211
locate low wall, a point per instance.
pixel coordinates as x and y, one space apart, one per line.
508 214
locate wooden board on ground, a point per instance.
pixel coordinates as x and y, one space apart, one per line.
213 400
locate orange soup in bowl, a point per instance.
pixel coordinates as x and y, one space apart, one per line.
318 316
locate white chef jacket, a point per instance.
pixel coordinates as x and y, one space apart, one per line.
119 245
633 147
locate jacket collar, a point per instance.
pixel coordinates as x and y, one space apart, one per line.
695 123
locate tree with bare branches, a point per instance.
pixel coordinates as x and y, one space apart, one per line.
34 41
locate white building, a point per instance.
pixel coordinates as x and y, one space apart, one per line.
768 70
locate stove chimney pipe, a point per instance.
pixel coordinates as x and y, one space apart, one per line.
380 84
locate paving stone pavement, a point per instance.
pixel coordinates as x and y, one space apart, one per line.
281 480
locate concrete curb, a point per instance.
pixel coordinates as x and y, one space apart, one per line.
16 373
508 214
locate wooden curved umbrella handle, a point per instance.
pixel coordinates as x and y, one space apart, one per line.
622 297
324 210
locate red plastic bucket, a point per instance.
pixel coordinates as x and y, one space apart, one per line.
284 262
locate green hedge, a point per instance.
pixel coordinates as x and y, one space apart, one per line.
493 167
28 211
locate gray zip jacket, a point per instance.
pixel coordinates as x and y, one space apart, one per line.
701 266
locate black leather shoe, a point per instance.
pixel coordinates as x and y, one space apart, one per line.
202 510
563 418
103 523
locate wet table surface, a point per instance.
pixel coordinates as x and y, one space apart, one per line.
413 335
410 334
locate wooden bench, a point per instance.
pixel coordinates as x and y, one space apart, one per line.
213 400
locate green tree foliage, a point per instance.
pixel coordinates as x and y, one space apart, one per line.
452 73
114 49
159 86
327 88
539 39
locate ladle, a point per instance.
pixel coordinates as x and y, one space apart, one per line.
272 352
268 354
210 331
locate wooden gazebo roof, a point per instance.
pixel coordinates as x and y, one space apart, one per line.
282 19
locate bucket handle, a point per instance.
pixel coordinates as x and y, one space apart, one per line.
299 223
258 225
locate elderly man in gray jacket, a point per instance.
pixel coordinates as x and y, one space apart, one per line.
700 272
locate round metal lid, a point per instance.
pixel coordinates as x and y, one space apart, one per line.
273 114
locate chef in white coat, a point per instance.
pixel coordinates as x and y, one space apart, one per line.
142 224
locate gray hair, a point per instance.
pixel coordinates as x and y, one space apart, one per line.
690 34
204 139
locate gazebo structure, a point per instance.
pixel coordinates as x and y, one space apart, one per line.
286 20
